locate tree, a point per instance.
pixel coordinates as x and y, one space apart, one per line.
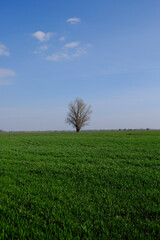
78 114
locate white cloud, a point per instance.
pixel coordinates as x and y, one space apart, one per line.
3 50
67 55
74 20
58 57
79 52
4 82
72 45
62 38
69 51
4 74
42 36
41 49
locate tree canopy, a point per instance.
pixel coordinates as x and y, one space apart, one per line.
79 114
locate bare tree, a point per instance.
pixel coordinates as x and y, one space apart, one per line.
78 114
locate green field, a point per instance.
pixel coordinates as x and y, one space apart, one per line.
90 185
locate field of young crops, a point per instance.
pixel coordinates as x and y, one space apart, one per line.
90 185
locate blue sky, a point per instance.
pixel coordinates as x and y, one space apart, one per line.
105 52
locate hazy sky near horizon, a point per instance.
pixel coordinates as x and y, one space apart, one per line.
106 52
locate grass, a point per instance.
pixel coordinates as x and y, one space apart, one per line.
90 185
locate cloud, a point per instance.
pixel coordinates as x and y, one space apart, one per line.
4 82
74 20
67 55
69 51
72 45
58 57
62 39
3 50
5 73
42 36
41 49
79 52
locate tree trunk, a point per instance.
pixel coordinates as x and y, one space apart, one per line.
77 129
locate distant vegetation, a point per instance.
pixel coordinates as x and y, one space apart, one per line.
91 185
1 131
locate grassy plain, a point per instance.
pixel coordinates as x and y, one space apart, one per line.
90 185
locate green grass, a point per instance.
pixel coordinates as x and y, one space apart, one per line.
90 185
